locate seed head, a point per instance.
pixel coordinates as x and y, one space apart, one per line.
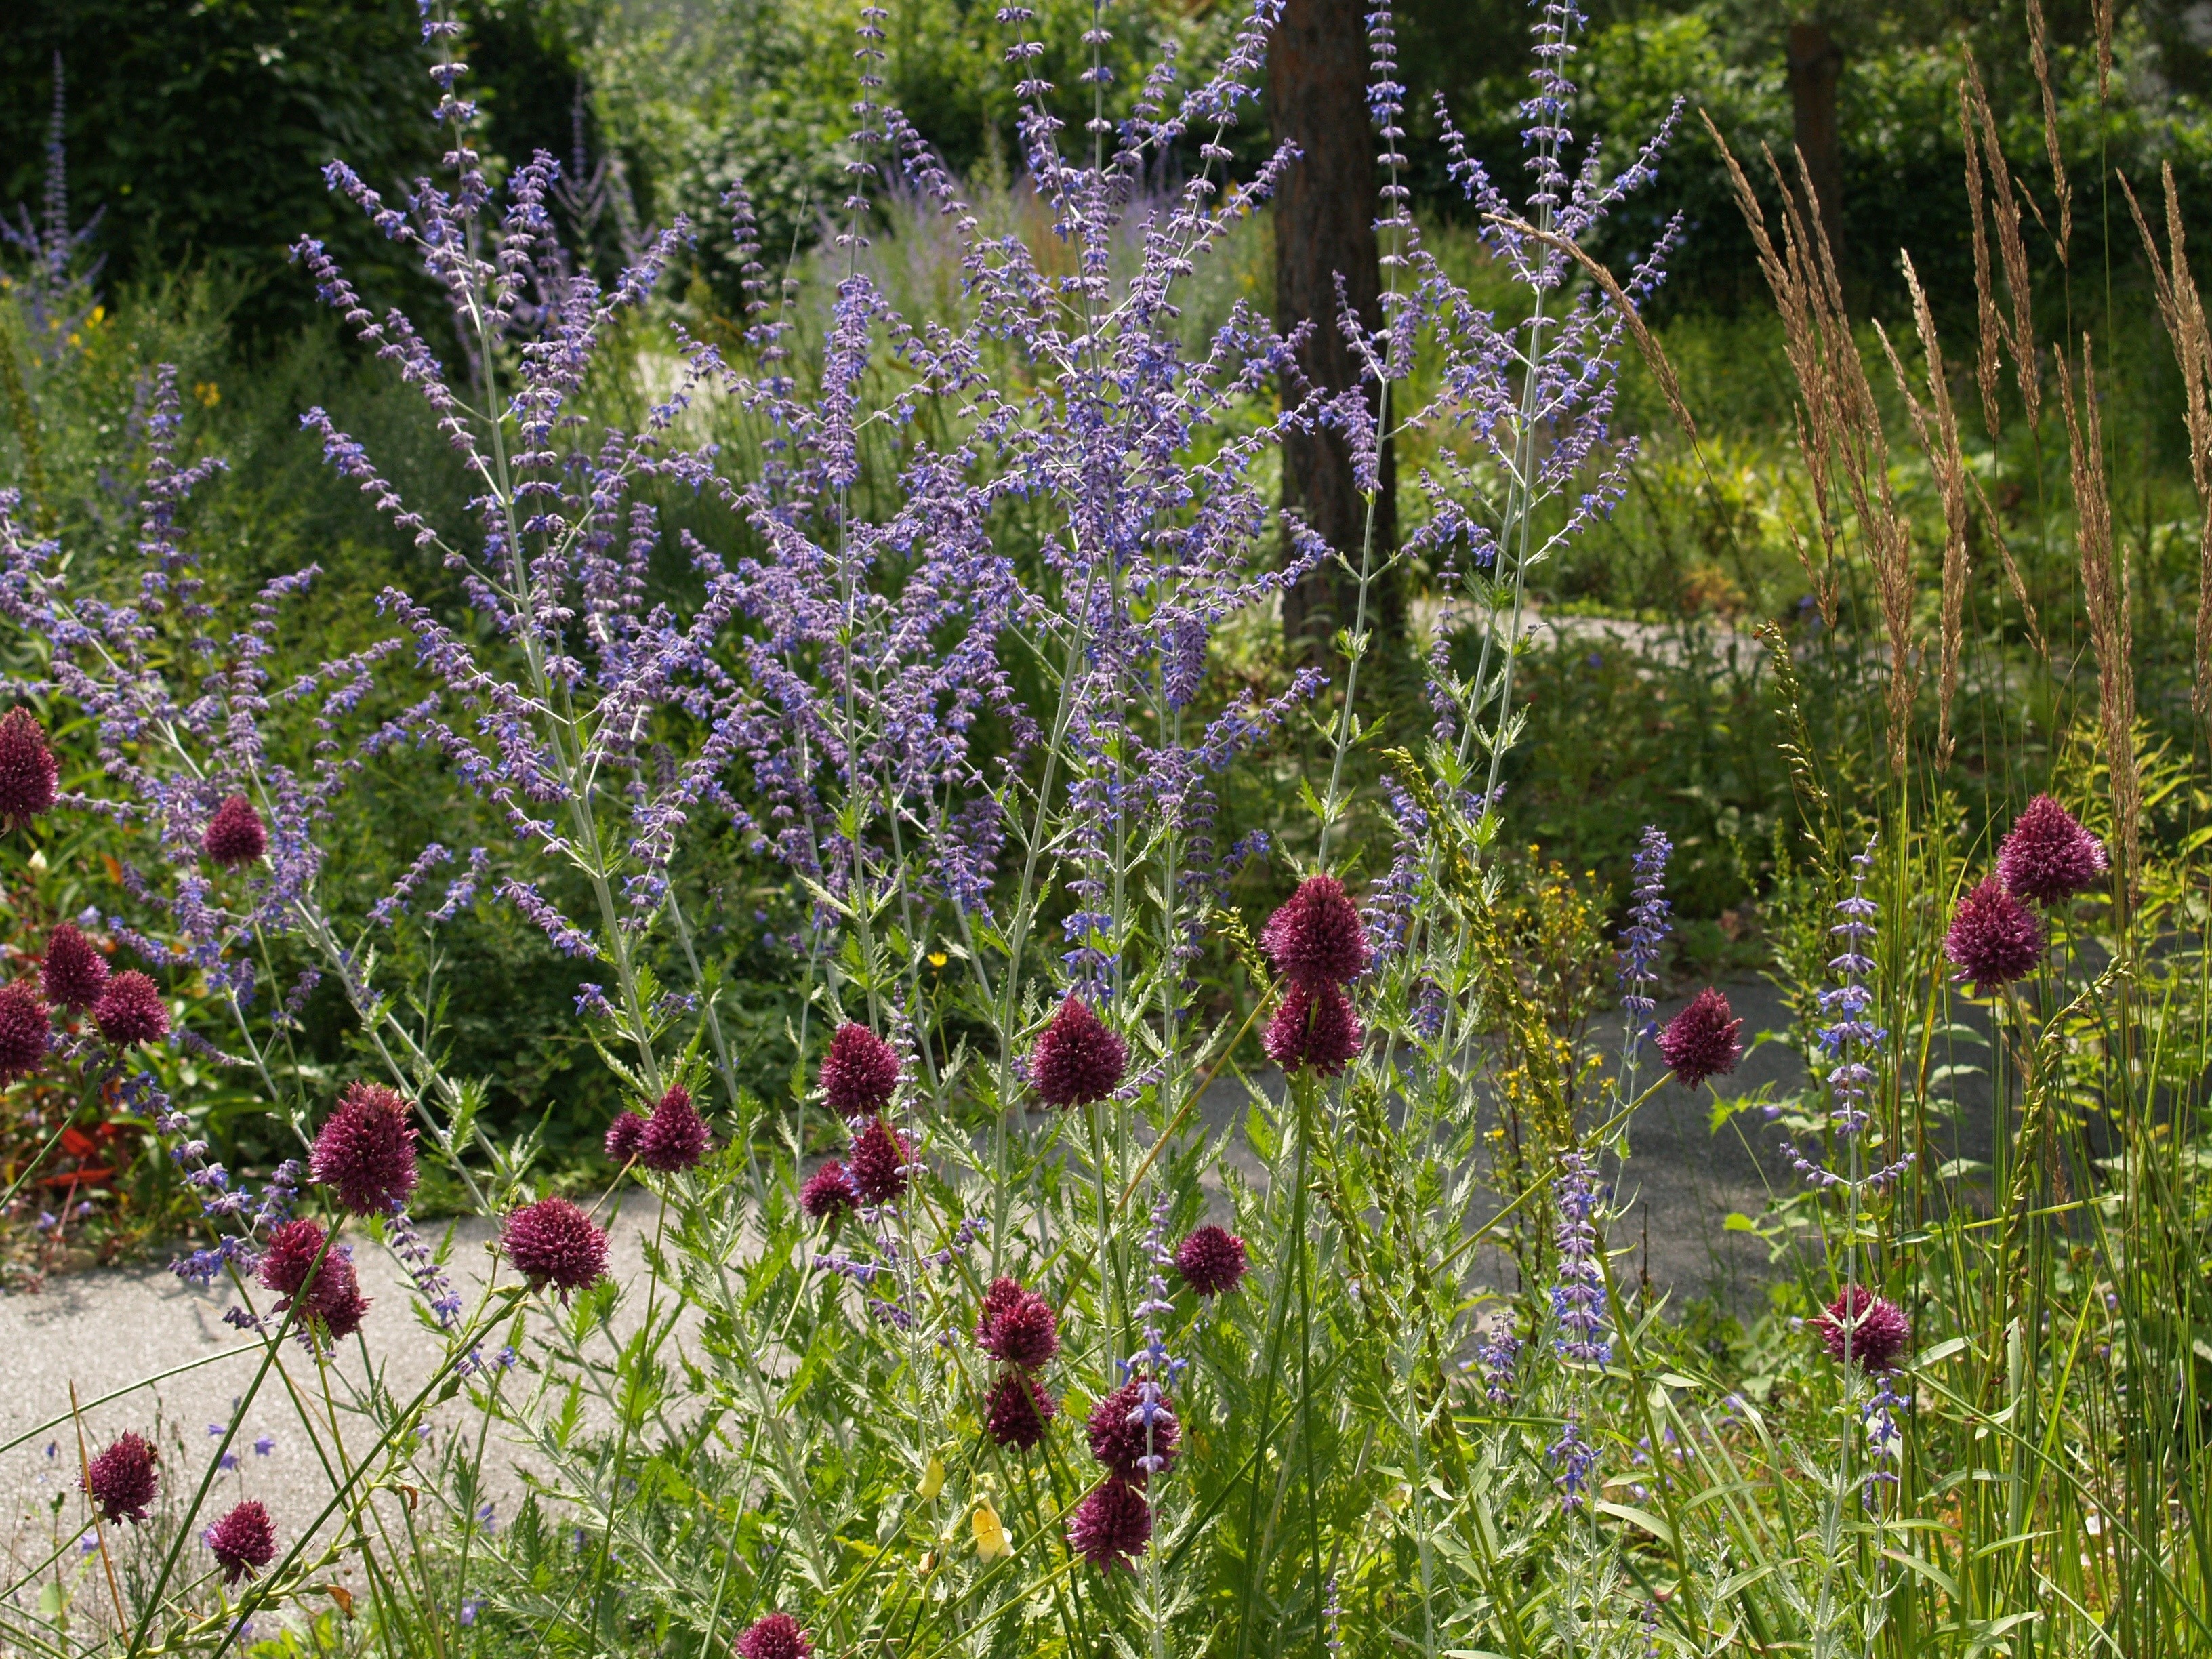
244 1541
828 1193
1316 939
1211 1260
1994 938
860 1072
622 1135
122 1480
1702 1041
23 1030
131 1011
1017 1326
235 836
675 1137
554 1242
28 777
366 1152
1315 1028
877 1162
1077 1060
1875 1331
1111 1527
2049 857
776 1637
74 972
1119 1431
1018 1410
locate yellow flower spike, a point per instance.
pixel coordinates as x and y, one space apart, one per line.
932 1480
991 1540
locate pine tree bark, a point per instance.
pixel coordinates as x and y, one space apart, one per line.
1324 217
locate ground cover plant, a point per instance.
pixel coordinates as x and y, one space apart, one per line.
953 1334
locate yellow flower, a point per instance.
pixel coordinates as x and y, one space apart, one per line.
208 392
991 1540
932 1480
937 959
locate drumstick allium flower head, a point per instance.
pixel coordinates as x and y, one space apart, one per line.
235 836
244 1541
365 1152
861 1072
1078 1060
74 972
1314 940
552 1242
28 778
123 1480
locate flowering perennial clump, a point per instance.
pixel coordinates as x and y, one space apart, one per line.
24 1032
1702 1041
1078 1060
861 1072
1211 1259
123 1480
2049 857
235 835
28 778
675 1138
552 1242
74 972
244 1541
1864 1329
1994 938
365 1151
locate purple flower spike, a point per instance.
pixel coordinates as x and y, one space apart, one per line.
552 1242
1874 1332
860 1072
122 1480
828 1193
1077 1061
235 836
1211 1260
1111 1527
1315 939
244 1541
28 777
1994 938
1133 1432
675 1138
131 1011
2049 857
622 1135
74 972
1017 1411
23 1031
1314 1028
776 1637
366 1152
1702 1041
877 1162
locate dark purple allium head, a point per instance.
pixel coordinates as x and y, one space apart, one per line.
28 778
23 1030
1703 1040
828 1193
776 1637
1316 939
1111 1527
289 1253
1118 1431
860 1072
1018 1326
2049 857
335 1300
1211 1260
1016 1411
234 834
554 1242
675 1137
1314 1028
622 1135
1994 938
1875 1331
1077 1060
244 1541
366 1152
131 1011
878 1162
122 1479
74 972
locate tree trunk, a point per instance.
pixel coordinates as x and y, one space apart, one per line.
1325 212
1816 63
